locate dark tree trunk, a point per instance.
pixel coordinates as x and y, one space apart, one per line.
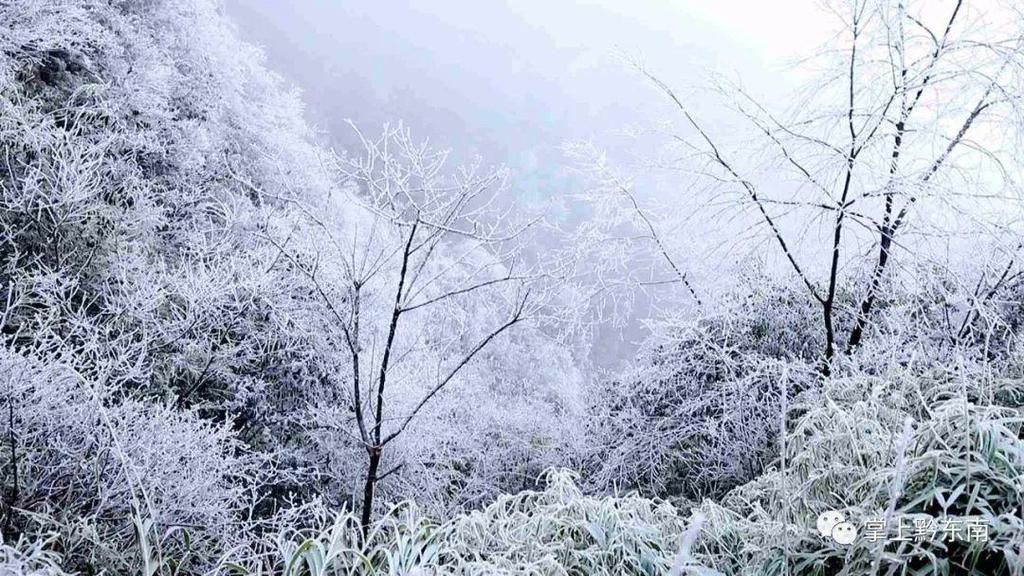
830 338
368 488
876 280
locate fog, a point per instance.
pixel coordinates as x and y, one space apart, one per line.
511 80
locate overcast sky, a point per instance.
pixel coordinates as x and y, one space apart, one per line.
511 79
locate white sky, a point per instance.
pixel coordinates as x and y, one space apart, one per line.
504 76
512 79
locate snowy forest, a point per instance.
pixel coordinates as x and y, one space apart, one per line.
229 347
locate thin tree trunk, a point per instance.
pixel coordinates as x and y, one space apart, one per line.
368 488
888 234
869 301
828 304
377 446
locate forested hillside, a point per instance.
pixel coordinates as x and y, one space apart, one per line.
229 349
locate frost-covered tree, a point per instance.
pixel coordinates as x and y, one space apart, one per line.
850 191
913 117
418 272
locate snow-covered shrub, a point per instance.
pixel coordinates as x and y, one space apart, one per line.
910 444
900 448
85 462
933 315
557 530
698 410
26 557
134 135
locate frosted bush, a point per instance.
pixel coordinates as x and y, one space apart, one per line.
90 464
30 558
910 445
554 531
